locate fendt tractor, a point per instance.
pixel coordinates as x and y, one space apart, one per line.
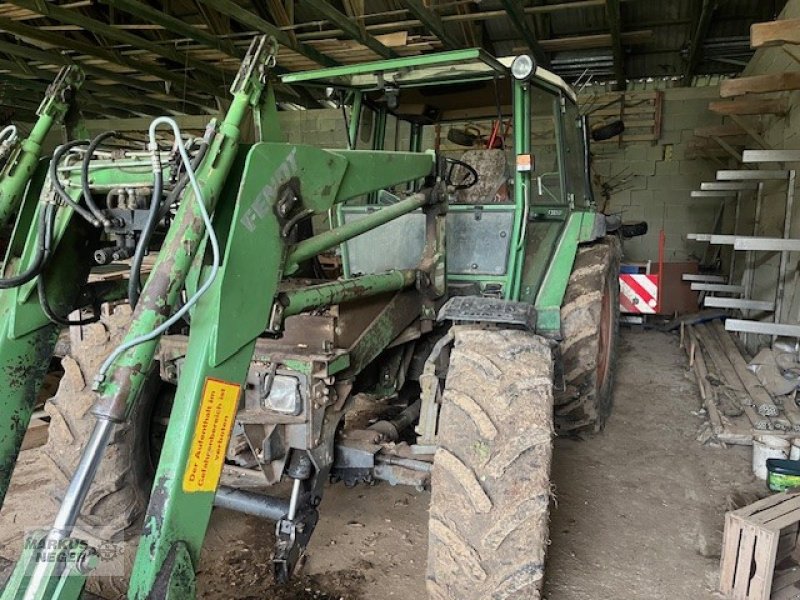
475 315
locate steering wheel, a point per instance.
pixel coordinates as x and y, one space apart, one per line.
466 180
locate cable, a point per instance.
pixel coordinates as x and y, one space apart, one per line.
9 129
59 189
134 281
158 210
87 190
212 238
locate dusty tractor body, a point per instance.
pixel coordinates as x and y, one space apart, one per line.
472 287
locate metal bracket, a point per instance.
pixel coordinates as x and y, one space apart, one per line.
259 59
61 92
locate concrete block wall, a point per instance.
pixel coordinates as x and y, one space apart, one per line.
661 177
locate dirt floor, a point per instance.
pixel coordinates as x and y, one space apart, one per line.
639 509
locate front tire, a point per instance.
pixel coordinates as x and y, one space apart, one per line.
119 494
488 526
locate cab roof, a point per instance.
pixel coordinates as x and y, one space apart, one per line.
457 66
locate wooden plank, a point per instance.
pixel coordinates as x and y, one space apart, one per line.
706 391
760 396
772 516
728 375
741 578
730 550
728 148
762 505
726 130
760 84
766 548
751 106
775 33
751 131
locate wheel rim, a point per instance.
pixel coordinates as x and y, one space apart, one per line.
604 346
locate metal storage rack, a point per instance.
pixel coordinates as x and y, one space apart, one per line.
735 183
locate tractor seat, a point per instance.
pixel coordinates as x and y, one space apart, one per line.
493 173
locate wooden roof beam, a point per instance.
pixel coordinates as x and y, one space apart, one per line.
72 17
351 28
432 22
175 25
48 58
520 22
60 41
614 17
250 20
700 33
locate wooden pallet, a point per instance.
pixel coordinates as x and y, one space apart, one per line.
759 550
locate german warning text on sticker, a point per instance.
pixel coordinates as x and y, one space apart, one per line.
211 434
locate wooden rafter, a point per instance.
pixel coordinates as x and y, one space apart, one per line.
432 22
178 26
324 9
520 22
248 19
135 65
210 80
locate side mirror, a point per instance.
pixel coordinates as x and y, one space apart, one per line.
608 131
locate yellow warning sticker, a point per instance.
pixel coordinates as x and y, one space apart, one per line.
211 434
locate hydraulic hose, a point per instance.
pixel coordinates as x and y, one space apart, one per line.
134 282
59 189
158 211
212 238
87 190
42 252
9 131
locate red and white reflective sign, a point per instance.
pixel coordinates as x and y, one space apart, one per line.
638 293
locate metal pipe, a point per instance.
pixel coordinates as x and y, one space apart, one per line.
249 503
333 237
336 292
294 500
392 428
74 498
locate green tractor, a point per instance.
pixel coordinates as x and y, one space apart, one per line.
476 315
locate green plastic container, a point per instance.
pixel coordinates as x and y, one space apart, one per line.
782 474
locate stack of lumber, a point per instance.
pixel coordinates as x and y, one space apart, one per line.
737 404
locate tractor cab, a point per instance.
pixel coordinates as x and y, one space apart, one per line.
517 163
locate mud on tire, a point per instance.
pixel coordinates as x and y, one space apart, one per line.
488 527
590 325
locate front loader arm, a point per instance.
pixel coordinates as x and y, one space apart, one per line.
23 156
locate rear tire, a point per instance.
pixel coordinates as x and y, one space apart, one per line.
488 526
590 325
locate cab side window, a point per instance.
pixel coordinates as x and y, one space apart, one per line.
574 159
